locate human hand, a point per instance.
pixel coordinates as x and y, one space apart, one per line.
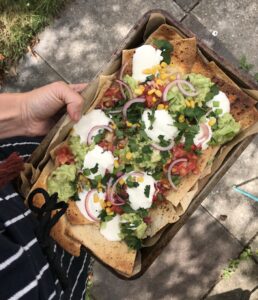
40 106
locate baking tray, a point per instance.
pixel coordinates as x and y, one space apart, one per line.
135 38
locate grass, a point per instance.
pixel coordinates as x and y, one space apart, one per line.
246 66
234 263
20 21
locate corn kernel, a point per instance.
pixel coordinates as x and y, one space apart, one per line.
212 121
164 64
163 76
154 99
159 82
100 190
102 204
161 106
110 213
116 163
188 103
158 67
128 155
121 181
152 91
158 93
108 204
147 71
138 91
166 106
140 179
108 209
181 119
172 77
95 198
129 124
192 103
113 125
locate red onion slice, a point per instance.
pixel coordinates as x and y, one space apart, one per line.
129 103
205 134
179 83
170 169
122 83
87 206
93 129
161 148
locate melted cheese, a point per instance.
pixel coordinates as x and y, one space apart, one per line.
87 122
104 159
145 57
162 125
223 101
137 197
95 207
111 229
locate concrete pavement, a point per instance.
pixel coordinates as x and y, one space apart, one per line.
74 48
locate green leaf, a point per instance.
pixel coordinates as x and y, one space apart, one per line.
147 191
151 118
214 90
256 76
147 149
86 172
95 169
166 48
194 113
244 65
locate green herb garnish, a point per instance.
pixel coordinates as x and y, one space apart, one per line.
95 169
147 191
166 48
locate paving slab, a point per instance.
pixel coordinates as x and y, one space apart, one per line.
235 211
83 38
32 72
242 285
236 24
254 247
186 269
187 5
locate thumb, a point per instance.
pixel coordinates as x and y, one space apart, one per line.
71 98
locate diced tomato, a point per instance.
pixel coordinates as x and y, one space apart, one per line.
117 209
107 145
113 92
149 101
147 220
64 156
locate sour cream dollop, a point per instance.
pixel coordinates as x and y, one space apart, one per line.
220 102
111 229
145 57
103 159
94 207
87 122
163 125
137 195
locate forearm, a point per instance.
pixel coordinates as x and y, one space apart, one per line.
12 115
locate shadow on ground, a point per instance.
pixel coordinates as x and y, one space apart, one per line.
187 268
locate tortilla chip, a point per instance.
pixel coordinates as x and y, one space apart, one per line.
74 216
164 32
58 230
160 216
114 254
176 196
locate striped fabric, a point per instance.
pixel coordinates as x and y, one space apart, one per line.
24 270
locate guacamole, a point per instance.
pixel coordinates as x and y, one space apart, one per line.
132 224
78 149
226 129
61 181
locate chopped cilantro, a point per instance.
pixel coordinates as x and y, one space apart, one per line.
218 111
133 242
147 149
86 172
214 90
194 113
134 112
215 104
104 217
163 142
166 48
151 118
95 169
97 138
147 191
189 132
98 178
130 183
149 78
119 134
132 145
